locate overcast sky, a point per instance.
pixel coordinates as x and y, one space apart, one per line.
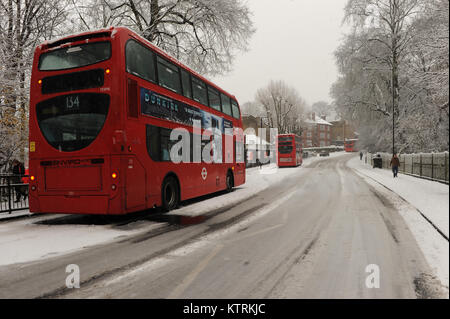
294 42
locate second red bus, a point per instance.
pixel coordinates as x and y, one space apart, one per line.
289 150
350 145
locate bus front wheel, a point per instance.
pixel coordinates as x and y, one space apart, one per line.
170 194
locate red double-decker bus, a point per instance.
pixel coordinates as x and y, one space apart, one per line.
103 106
350 145
289 150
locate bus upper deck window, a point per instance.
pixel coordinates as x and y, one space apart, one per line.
199 91
75 57
235 108
140 61
169 75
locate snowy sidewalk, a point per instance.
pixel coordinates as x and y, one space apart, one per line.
430 198
15 215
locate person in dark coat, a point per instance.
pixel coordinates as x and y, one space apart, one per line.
18 170
395 164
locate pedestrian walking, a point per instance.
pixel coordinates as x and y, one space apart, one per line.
395 164
258 163
18 170
360 155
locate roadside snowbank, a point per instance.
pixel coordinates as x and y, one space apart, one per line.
27 240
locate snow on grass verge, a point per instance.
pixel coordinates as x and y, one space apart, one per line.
432 244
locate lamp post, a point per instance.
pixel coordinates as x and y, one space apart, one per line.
343 138
393 112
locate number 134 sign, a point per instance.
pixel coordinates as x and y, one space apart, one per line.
72 101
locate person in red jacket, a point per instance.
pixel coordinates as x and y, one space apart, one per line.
26 178
395 164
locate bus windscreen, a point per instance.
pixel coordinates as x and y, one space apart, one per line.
285 149
285 139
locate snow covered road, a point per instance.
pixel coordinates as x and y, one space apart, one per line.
313 236
307 232
31 239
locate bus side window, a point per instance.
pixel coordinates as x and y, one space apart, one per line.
153 143
169 75
235 107
199 91
140 61
239 152
204 144
165 144
159 143
214 99
186 81
226 105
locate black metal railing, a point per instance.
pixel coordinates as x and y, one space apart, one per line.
432 166
13 193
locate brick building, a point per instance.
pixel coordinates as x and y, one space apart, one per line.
341 128
249 121
316 132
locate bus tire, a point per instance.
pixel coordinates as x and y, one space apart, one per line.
229 181
170 193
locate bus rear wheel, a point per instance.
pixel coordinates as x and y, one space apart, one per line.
170 194
230 182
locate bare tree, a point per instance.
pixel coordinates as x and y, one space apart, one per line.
428 61
204 34
253 109
322 108
388 23
23 24
97 14
427 69
282 105
383 65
